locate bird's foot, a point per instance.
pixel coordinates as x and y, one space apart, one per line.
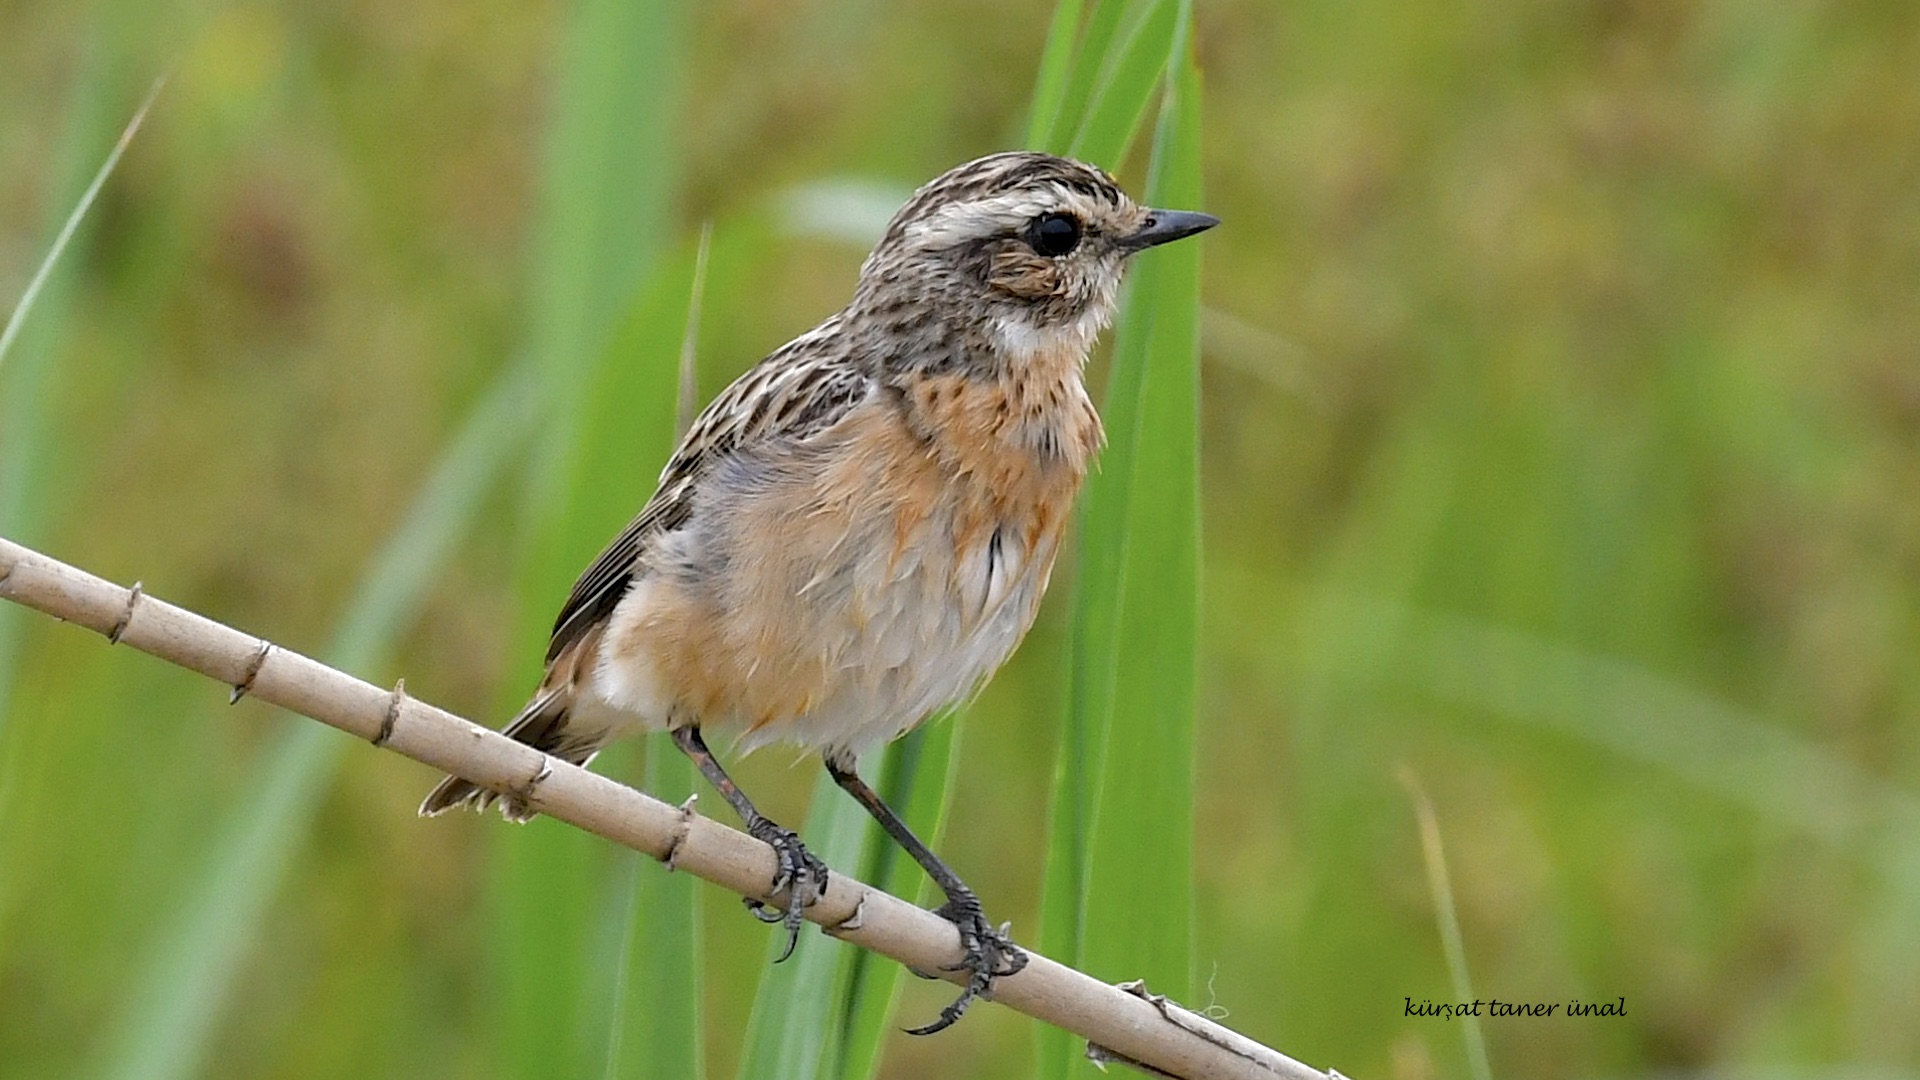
802 876
990 954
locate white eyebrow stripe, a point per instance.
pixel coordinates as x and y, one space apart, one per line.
957 222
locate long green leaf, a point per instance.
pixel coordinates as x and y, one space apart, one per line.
605 212
1089 58
1056 68
1127 85
608 177
1623 709
25 405
1447 918
654 1027
919 778
1140 875
917 781
180 987
657 1029
576 894
799 1001
1119 875
24 306
1074 767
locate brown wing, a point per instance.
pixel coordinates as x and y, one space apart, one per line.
799 390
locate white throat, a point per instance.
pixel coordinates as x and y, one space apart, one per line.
1021 341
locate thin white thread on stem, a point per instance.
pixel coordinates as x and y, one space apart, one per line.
1121 1024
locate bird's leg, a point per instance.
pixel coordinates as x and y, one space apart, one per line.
803 876
990 953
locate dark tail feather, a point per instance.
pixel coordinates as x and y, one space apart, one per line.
541 725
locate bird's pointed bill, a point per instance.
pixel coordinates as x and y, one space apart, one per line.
1163 226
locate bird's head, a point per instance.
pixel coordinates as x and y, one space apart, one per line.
1025 250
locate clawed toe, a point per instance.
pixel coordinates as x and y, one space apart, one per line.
797 872
989 954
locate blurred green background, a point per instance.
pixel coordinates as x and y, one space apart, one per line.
1561 441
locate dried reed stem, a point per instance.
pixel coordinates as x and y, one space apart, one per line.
1122 1024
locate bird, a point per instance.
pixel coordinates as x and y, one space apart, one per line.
857 532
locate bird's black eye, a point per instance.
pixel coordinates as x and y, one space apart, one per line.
1054 234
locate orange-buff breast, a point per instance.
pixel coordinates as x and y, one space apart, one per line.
836 592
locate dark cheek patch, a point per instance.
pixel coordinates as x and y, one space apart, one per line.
1024 276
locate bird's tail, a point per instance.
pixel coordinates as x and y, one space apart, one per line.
541 725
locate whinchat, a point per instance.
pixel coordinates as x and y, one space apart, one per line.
857 532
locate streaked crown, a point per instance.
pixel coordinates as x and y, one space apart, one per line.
1028 247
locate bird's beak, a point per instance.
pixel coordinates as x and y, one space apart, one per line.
1165 225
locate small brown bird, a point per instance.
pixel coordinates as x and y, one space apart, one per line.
857 532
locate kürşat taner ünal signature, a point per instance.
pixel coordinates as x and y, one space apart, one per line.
1447 1010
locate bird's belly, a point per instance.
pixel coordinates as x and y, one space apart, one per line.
872 641
834 603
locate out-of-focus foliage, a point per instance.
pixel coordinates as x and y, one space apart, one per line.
1560 410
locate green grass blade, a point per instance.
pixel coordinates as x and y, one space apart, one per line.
408 564
561 893
605 213
1440 886
638 973
654 1028
609 173
1089 59
180 988
687 403
798 1004
1621 708
609 179
542 941
1120 876
397 584
72 224
1074 767
917 781
1056 67
1128 85
25 408
657 1034
1144 818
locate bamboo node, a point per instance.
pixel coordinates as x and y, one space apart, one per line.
853 921
392 717
523 794
120 628
671 860
251 673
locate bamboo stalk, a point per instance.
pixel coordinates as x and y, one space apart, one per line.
1124 1024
